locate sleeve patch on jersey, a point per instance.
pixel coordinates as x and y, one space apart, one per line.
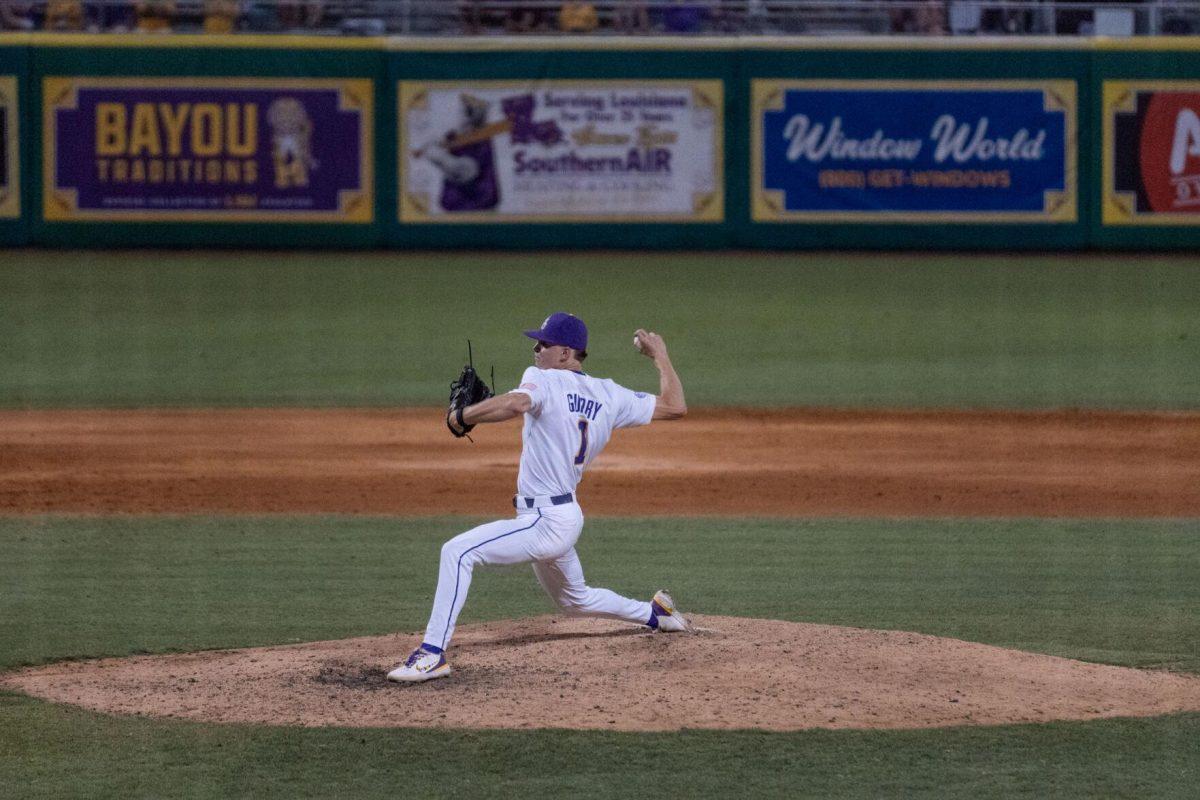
639 395
530 386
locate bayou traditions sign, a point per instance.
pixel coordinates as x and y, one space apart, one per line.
208 149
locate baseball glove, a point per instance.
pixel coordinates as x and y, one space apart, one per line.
468 390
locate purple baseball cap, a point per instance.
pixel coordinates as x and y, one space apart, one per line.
562 328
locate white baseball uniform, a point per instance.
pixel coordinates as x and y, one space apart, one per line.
571 419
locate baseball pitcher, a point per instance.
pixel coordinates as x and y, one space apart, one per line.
569 418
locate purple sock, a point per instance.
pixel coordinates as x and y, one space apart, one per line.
653 622
429 648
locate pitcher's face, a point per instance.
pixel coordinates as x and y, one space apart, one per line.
547 356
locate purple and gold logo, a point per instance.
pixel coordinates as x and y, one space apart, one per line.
208 149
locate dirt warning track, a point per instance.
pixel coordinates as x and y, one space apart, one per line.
714 462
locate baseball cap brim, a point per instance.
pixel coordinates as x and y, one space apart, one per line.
542 336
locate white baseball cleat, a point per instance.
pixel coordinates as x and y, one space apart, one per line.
669 620
422 665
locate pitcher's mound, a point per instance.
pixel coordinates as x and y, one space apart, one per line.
572 673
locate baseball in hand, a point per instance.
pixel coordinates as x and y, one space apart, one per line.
637 343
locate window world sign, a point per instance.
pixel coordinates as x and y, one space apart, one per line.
914 151
208 149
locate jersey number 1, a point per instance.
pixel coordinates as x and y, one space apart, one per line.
582 442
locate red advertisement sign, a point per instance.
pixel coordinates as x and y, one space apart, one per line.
1154 152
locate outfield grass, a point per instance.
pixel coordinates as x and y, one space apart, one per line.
381 329
1120 592
49 751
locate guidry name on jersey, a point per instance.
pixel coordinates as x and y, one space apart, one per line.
569 417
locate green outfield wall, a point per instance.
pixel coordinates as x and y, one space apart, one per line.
14 146
256 141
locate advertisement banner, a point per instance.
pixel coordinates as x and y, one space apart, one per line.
1151 153
914 151
208 150
10 179
561 151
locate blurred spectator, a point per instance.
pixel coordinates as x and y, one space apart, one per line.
758 18
577 16
221 16
923 16
472 17
109 15
719 18
1069 20
931 18
631 16
683 17
15 16
904 20
1000 19
362 18
1179 25
480 16
64 15
523 19
154 16
298 14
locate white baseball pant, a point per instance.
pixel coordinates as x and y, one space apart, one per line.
545 536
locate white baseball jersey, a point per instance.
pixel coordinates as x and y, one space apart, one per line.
570 421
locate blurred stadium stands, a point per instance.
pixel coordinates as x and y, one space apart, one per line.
613 17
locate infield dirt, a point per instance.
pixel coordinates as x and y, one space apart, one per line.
549 672
570 673
733 462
